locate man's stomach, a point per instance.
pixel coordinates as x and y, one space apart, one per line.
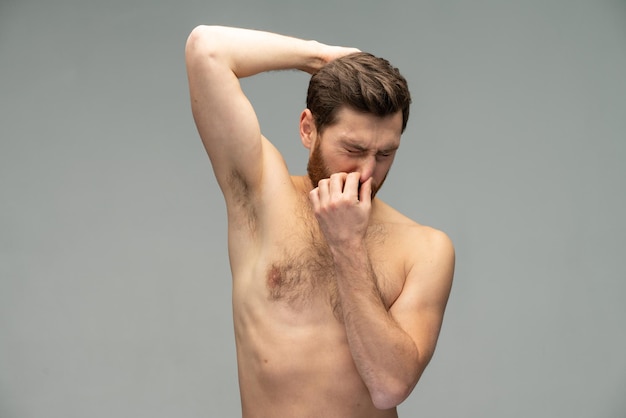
295 362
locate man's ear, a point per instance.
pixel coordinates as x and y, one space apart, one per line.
308 131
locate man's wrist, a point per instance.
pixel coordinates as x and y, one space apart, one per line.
349 254
315 60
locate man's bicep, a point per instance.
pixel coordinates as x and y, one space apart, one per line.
420 308
225 119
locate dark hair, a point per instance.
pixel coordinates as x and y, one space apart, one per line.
362 82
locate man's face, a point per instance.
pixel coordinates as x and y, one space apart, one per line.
357 142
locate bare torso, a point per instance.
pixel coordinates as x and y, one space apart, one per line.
299 354
292 351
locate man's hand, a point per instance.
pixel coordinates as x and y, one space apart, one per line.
329 53
342 208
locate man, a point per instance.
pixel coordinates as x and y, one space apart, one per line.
338 298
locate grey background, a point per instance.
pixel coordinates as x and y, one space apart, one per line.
114 281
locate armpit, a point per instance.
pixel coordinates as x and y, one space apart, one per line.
241 198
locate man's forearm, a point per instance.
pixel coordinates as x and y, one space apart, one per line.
385 355
247 52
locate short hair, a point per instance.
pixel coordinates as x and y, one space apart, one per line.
361 81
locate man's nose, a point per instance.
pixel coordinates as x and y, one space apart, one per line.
367 166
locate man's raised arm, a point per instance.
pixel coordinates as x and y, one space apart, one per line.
216 58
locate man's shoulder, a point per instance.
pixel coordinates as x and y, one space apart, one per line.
419 238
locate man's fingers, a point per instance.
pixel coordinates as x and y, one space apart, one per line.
323 188
340 186
351 187
314 198
337 181
365 194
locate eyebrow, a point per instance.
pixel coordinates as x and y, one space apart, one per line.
351 144
390 149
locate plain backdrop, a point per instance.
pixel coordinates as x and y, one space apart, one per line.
114 279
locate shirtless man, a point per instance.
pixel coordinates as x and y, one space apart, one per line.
338 298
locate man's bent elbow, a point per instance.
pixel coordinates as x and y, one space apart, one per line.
202 42
391 396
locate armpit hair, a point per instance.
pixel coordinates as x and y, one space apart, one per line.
242 199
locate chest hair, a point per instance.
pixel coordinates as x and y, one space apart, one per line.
303 270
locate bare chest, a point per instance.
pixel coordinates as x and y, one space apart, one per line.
298 270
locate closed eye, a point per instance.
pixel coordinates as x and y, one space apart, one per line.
353 150
386 153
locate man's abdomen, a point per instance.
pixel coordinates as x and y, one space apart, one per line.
295 362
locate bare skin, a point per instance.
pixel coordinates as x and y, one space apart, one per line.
338 299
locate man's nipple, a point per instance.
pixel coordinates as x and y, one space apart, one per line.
274 277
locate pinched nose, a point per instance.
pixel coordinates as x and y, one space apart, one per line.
367 167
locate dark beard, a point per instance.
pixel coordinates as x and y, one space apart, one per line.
317 169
